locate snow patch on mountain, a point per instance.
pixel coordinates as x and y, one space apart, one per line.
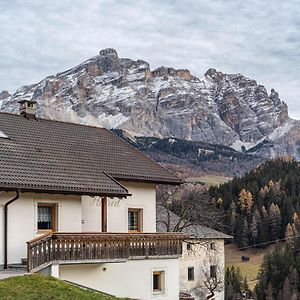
113 92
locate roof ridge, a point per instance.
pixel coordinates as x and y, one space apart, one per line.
52 120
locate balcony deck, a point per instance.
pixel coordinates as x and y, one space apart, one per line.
100 247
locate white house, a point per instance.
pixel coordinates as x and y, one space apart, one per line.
202 265
78 203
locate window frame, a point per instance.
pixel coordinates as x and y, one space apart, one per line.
53 217
191 273
189 247
213 271
161 282
213 246
139 212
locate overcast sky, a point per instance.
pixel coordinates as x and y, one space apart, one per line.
258 38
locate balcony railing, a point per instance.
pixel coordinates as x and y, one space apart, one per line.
100 247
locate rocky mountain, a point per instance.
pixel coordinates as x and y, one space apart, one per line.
225 109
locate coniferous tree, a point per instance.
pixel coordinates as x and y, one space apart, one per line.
234 283
245 234
276 267
273 189
289 235
274 221
233 217
264 226
254 229
242 200
269 293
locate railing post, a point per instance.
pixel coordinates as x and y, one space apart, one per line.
29 258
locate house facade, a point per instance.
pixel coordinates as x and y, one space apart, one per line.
202 264
78 203
202 268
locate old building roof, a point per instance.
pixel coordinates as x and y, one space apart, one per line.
53 156
195 231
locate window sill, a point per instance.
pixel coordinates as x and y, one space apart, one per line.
44 231
159 293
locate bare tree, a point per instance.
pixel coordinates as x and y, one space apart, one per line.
212 284
192 204
213 275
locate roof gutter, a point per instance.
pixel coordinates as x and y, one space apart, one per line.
6 227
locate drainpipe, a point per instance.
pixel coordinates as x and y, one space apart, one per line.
5 225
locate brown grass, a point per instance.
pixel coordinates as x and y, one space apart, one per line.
210 180
248 269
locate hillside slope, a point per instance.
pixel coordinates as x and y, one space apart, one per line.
264 204
29 287
194 158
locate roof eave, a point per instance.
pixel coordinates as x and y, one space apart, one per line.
145 180
64 192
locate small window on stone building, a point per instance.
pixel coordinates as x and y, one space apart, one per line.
213 246
191 274
213 271
188 246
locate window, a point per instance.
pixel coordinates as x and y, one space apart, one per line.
135 220
46 218
191 274
213 246
213 271
188 246
158 281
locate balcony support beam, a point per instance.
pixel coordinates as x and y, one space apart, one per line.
104 214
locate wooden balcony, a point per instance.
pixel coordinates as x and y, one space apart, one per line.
100 247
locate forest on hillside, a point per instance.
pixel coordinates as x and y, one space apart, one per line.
191 158
263 205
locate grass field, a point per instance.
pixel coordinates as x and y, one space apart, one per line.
209 179
248 269
31 287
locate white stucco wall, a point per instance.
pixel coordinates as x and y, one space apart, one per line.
91 214
73 215
22 220
201 257
131 279
143 197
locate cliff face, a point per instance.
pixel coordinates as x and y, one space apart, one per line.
113 92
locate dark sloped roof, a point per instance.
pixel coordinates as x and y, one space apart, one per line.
195 231
56 156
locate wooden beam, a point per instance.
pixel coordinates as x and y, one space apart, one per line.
104 214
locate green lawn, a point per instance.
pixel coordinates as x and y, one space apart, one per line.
39 287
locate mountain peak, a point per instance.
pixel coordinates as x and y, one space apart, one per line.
4 95
114 92
213 74
108 52
164 71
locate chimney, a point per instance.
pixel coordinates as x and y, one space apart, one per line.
27 108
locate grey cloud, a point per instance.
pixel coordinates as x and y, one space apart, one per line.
256 38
